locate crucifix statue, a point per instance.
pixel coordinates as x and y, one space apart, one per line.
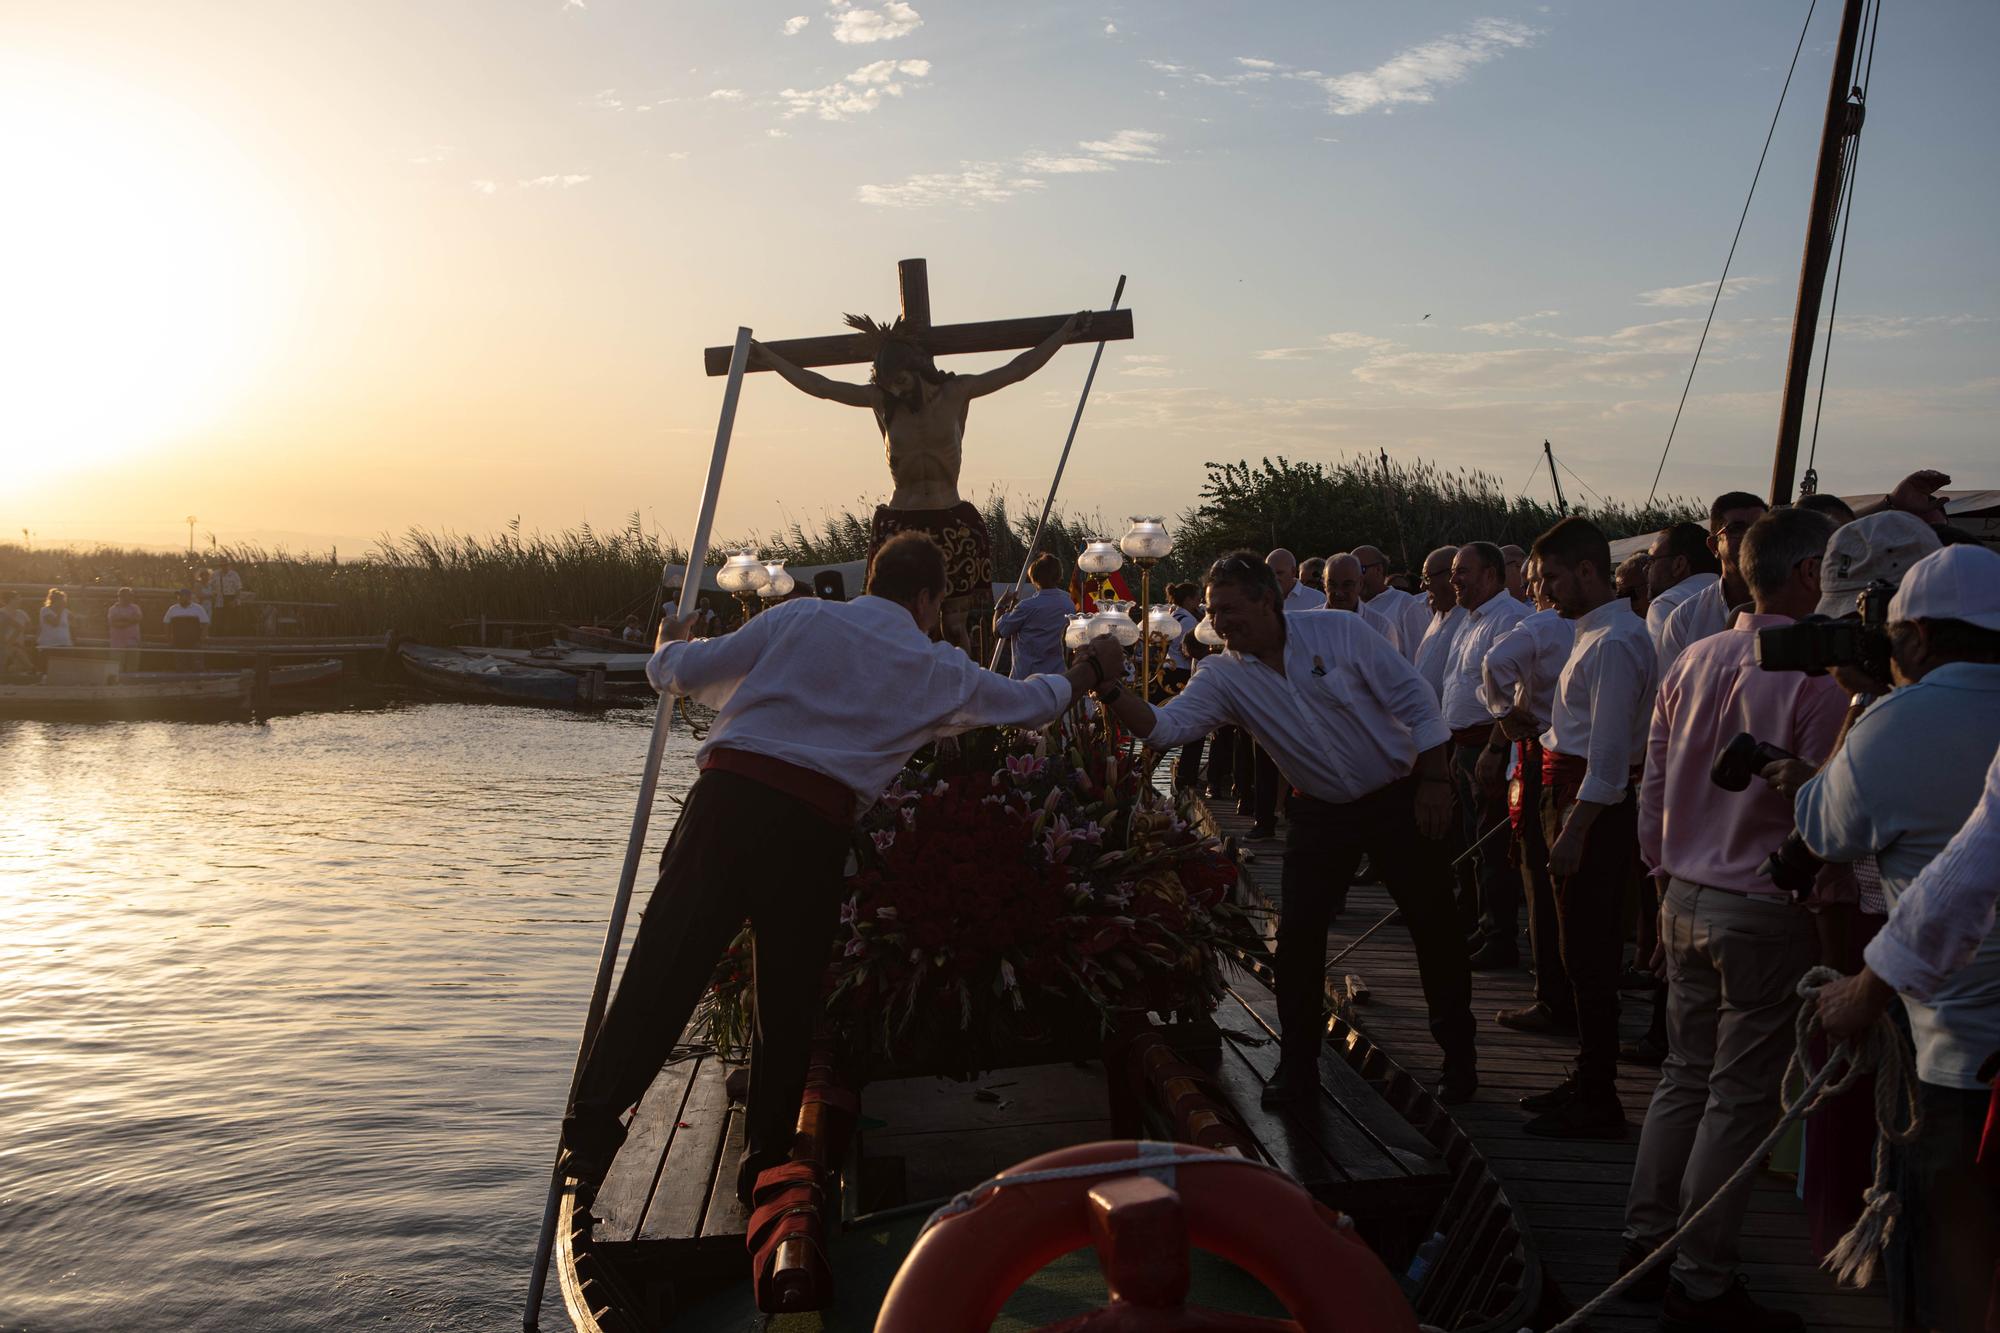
921 412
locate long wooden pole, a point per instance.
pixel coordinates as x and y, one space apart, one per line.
1841 122
635 844
1042 523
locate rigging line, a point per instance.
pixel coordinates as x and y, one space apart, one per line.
1724 279
1580 481
1533 472
1839 263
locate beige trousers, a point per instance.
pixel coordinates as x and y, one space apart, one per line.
1732 966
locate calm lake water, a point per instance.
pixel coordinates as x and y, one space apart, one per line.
287 1011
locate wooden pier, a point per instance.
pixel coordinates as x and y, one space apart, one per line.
1570 1194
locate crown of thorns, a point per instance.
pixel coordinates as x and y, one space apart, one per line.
878 335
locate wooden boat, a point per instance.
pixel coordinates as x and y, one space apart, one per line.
291 676
219 692
481 676
626 666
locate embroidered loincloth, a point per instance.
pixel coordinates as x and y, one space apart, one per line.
968 562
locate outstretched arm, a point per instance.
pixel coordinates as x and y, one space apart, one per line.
819 386
1028 362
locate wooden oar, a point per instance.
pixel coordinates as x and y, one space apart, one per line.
1061 463
635 845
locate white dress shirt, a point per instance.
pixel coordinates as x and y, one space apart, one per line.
1435 647
1464 664
1345 717
1663 606
846 689
1381 624
1523 665
1703 614
1945 917
1604 700
1177 655
1305 597
1409 612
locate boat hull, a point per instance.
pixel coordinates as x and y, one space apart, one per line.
466 677
208 693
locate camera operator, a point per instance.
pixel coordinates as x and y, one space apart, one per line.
1735 943
1905 781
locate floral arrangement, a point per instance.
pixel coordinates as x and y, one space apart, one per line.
1009 886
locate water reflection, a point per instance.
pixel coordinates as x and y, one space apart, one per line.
287 1010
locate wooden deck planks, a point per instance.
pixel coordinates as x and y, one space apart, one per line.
687 1175
1570 1195
628 1185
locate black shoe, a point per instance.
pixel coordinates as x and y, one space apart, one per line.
1536 1017
1732 1312
1262 832
1649 1289
589 1143
1586 1115
1562 1094
1459 1082
1495 956
1289 1087
1642 1052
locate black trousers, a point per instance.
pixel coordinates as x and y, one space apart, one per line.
1552 986
1323 844
1222 762
1589 920
1944 1251
1187 763
740 849
1497 888
1257 778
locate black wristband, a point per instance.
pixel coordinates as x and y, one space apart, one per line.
1108 694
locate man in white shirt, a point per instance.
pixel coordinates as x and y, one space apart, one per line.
1517 572
1708 611
1678 565
1595 741
1343 593
1407 609
1360 741
1265 793
818 705
1298 596
1479 575
1443 616
1520 686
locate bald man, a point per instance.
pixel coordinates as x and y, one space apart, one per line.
1343 593
1517 572
1405 610
1298 596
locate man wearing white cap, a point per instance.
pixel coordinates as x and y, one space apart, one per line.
1908 776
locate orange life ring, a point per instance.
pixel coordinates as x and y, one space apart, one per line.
962 1270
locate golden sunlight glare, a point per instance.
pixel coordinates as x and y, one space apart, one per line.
140 264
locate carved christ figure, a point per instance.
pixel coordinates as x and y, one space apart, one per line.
921 412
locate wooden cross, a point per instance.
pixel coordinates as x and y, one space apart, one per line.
992 335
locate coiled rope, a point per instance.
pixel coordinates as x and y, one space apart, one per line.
1881 1051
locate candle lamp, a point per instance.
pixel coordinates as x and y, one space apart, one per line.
780 583
1146 543
743 576
1207 633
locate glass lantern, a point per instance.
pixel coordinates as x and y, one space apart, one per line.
1146 540
1116 618
1162 621
1101 557
1207 633
780 584
742 573
1077 632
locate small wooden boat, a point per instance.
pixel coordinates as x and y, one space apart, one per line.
203 693
291 676
575 658
482 676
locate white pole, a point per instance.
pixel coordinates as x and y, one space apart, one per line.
1061 463
635 845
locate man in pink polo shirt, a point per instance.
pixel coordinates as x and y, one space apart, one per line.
1735 943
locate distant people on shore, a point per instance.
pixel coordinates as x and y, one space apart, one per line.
187 622
53 628
121 625
229 593
14 622
203 592
635 630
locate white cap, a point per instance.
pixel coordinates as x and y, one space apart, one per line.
1880 546
1958 583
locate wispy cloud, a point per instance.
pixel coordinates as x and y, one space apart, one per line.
795 25
1414 76
726 95
1698 293
1253 62
432 156
1111 30
485 187
1343 341
859 92
565 181
1166 67
1518 327
1151 366
894 19
977 183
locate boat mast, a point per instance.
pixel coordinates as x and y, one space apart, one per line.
1843 121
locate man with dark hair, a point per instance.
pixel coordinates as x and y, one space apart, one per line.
1360 741
1629 582
1479 575
1678 565
1735 943
1596 736
1908 775
1832 506
1034 624
1708 611
818 705
1312 573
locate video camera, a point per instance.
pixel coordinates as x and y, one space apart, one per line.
1792 867
1818 642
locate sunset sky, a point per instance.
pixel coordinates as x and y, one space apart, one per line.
315 272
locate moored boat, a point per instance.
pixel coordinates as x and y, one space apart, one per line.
481 676
218 692
623 667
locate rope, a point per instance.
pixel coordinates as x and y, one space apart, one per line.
1153 1157
1724 279
1880 1050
